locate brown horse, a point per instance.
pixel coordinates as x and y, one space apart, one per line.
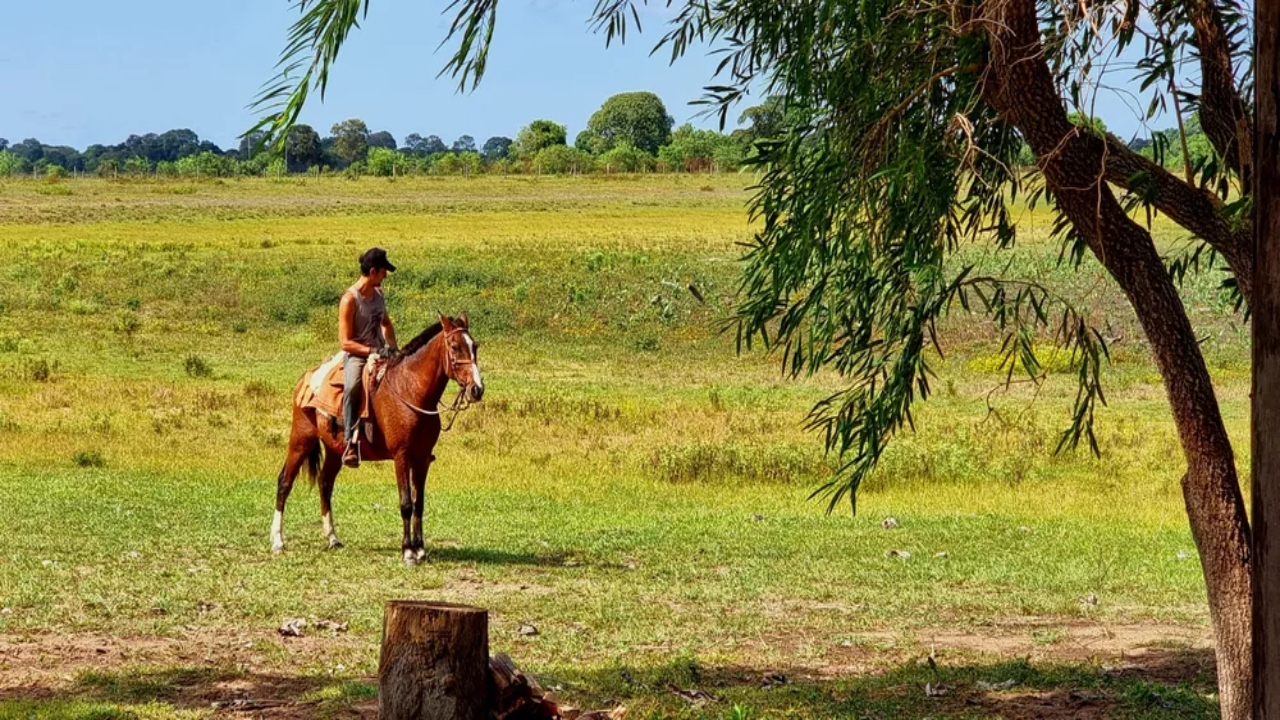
406 414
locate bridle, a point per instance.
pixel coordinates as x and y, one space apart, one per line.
460 402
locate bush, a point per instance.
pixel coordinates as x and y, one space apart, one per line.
196 366
89 459
39 370
625 158
126 323
562 159
384 162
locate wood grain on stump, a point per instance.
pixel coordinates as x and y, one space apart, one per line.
435 662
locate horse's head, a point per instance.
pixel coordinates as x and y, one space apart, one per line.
462 356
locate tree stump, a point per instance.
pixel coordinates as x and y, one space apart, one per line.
434 663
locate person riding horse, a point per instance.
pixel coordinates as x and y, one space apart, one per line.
364 329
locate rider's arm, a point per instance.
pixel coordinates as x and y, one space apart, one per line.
388 332
347 319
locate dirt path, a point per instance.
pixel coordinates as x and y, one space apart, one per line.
261 675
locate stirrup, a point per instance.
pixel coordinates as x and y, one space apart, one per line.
351 456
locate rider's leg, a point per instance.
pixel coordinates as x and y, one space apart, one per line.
352 370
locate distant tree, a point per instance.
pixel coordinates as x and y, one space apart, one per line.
637 118
249 144
470 162
10 164
424 146
350 140
535 136
385 162
382 139
145 146
67 158
137 165
302 148
496 148
175 144
448 164
30 150
4 144
466 143
589 141
561 159
762 121
690 149
625 157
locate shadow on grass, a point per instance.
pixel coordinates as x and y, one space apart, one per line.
486 556
1165 684
169 692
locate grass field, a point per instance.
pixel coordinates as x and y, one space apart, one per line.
631 486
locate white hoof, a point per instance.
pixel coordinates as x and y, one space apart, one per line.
410 558
422 554
334 542
277 546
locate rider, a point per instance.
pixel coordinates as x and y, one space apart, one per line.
364 329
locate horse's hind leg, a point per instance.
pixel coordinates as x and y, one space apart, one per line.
328 477
304 447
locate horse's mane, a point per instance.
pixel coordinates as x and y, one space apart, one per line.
419 342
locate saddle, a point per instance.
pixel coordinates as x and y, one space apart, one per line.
321 389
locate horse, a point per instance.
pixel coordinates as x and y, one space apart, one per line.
405 409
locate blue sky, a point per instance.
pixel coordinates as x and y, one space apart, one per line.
77 72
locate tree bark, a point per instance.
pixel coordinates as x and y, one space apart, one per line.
1019 85
435 662
1266 370
1194 209
1223 114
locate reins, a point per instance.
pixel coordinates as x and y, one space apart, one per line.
459 403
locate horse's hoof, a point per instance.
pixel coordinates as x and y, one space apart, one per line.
410 558
335 543
422 554
277 549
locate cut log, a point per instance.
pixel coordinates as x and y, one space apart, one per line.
516 696
434 663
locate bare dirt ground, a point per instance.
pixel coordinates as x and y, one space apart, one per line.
257 675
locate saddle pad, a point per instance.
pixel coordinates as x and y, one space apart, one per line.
321 388
322 372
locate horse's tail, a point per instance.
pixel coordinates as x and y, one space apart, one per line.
313 463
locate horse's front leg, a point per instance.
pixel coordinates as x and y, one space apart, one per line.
403 479
419 477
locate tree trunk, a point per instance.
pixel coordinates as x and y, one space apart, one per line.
1019 85
435 662
1266 369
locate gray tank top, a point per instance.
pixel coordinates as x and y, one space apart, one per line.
367 326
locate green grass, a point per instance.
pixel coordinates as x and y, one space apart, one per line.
631 486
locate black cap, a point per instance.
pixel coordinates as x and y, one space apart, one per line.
375 258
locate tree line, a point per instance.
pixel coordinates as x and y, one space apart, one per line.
631 132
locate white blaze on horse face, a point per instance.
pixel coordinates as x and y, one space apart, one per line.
475 366
277 532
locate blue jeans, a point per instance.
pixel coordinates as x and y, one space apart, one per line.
352 386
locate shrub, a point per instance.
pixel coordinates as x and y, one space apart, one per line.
38 370
196 366
89 459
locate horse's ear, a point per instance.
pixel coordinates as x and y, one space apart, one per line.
445 322
466 323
